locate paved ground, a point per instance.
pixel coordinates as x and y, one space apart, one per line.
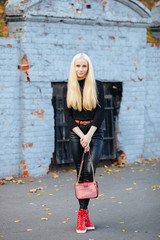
128 207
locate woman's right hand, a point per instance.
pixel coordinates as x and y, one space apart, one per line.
86 149
85 142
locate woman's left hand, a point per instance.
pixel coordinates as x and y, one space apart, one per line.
85 141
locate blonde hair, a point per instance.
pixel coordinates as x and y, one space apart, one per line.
74 98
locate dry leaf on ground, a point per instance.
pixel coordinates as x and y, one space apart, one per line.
33 190
9 178
55 175
3 182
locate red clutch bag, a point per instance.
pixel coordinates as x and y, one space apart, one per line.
86 189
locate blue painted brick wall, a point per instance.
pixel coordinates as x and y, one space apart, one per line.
9 107
46 47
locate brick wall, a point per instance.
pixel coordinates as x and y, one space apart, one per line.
117 54
9 107
47 46
152 109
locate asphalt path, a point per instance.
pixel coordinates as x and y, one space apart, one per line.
128 206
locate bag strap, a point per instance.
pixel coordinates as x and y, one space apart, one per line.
82 161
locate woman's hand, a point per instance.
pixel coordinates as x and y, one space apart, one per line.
86 139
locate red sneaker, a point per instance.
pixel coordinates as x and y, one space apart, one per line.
81 221
89 224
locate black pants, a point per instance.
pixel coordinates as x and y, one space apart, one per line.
77 151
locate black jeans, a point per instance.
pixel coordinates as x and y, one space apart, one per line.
77 151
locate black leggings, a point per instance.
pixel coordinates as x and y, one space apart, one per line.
77 151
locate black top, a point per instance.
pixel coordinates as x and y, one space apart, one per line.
97 114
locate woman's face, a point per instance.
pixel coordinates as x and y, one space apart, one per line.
81 68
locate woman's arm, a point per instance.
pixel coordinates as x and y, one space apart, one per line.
86 139
78 131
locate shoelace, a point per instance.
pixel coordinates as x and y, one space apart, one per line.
81 219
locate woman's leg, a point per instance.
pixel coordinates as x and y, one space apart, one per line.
95 150
77 152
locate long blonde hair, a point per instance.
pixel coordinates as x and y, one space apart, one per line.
74 98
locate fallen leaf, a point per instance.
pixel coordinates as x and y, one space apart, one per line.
107 226
30 180
67 219
101 195
33 204
102 198
9 178
147 170
128 189
140 170
93 204
51 194
20 181
136 231
44 218
46 209
112 197
154 187
101 175
45 186
119 202
117 171
28 230
49 213
16 221
43 191
55 175
33 190
39 181
123 230
38 194
109 170
3 182
121 222
134 183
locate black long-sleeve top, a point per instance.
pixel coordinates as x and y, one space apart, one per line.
97 114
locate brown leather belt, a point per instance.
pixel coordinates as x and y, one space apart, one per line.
83 122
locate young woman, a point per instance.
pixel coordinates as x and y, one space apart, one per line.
84 113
